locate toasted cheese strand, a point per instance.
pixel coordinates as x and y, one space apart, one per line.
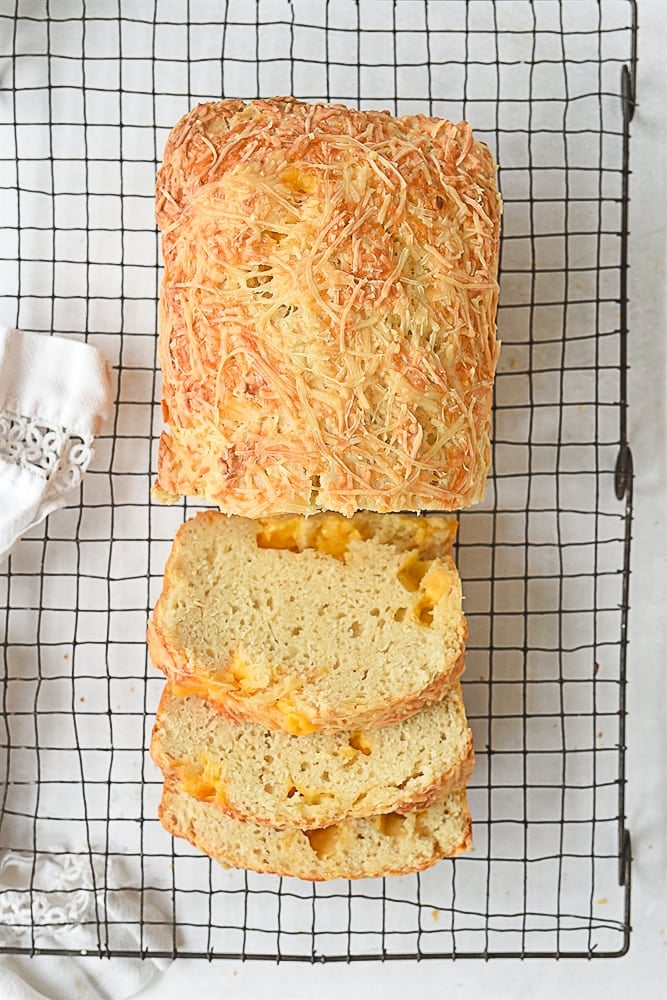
327 320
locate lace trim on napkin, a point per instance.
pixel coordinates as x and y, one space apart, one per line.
66 904
52 452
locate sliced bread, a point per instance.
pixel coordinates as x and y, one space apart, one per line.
303 625
359 848
312 781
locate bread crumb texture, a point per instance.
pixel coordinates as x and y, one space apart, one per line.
311 624
390 844
327 314
312 781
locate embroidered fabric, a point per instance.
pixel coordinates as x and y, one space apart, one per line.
69 900
52 452
65 904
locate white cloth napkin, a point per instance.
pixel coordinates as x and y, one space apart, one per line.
65 916
54 395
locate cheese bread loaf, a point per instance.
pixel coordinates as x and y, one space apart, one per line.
327 314
317 624
312 781
359 848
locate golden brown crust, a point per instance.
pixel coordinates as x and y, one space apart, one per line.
453 780
327 316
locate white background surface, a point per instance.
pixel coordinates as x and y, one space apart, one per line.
642 972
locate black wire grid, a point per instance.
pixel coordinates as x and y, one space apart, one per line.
87 96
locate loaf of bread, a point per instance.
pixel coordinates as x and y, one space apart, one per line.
306 625
327 315
308 782
358 848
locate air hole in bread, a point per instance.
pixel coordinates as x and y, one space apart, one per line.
355 628
359 742
421 827
424 614
399 614
291 792
323 842
255 280
268 789
375 612
391 824
282 312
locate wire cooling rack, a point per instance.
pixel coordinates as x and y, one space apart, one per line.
87 96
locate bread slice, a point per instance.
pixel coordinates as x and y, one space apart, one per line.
327 314
358 848
252 773
311 625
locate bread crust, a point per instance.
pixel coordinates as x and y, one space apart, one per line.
195 823
327 315
220 688
177 770
453 780
186 681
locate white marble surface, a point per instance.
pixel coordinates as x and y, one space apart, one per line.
640 972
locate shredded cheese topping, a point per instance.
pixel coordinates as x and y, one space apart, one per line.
327 318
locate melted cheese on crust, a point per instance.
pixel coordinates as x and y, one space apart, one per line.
327 315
